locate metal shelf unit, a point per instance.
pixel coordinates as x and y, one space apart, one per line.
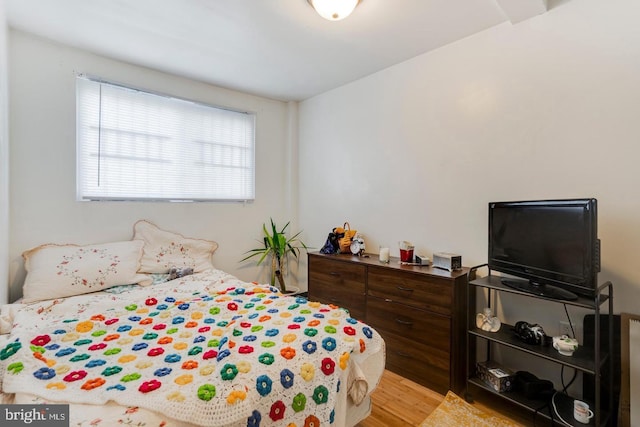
588 360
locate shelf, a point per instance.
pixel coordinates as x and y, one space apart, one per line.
582 359
563 403
589 361
494 282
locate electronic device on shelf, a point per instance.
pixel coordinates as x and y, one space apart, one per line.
530 333
550 246
533 387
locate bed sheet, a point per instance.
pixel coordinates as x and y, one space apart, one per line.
253 314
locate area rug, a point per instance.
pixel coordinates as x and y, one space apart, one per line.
454 411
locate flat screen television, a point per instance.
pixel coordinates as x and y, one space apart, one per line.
550 246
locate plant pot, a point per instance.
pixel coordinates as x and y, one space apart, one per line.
291 290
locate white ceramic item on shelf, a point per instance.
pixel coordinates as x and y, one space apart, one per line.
565 345
487 321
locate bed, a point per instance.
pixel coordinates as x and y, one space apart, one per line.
204 349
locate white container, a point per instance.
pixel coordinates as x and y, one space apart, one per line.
384 255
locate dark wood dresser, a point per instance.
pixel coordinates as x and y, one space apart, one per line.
419 311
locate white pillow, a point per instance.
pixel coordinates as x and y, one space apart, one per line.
164 249
56 271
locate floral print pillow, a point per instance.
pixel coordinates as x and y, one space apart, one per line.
164 250
56 271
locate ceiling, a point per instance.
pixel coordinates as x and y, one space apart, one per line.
279 49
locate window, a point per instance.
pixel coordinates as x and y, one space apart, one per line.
135 145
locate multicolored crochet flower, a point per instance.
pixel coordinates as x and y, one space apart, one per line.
307 371
263 385
311 421
329 344
328 366
320 394
299 402
277 411
286 378
288 353
266 358
206 392
229 372
254 419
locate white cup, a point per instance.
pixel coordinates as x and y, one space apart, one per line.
384 255
581 412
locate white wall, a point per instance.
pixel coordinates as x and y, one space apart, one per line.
547 108
4 158
42 195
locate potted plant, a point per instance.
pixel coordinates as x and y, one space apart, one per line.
278 246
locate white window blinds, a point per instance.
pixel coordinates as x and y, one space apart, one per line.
135 145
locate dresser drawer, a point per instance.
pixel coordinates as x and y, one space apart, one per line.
423 364
416 290
338 283
418 326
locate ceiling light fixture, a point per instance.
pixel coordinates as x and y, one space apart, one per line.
334 10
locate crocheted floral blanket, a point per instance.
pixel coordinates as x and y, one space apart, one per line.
211 358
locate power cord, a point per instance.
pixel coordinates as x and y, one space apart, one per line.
573 332
555 409
551 405
540 408
573 378
564 391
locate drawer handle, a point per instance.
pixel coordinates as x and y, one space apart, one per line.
402 354
400 288
334 273
404 322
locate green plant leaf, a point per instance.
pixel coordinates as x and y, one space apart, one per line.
277 245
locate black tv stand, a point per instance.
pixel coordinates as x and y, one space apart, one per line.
547 291
592 361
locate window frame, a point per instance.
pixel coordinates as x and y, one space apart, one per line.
247 185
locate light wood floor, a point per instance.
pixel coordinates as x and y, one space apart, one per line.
399 402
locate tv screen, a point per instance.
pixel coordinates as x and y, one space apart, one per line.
552 244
